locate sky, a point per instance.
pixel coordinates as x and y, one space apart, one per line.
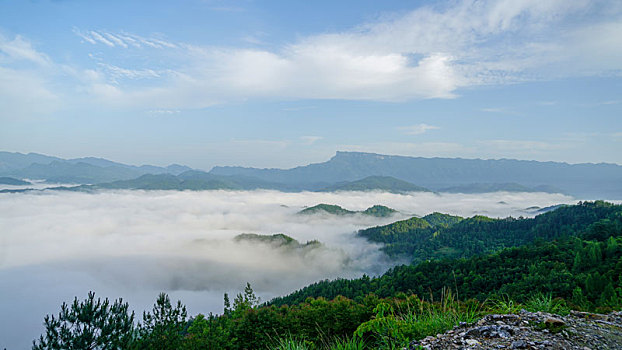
287 83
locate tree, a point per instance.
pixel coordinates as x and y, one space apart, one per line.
163 328
90 325
245 301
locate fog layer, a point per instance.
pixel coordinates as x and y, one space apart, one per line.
133 244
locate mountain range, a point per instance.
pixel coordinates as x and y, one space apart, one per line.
584 180
346 171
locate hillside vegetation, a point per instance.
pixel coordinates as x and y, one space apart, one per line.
438 236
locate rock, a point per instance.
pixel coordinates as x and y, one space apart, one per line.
519 344
492 331
589 315
554 322
529 330
472 342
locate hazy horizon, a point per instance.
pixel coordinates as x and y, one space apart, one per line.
164 164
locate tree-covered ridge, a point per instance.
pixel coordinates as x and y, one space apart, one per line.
582 263
379 211
322 208
279 239
453 237
377 183
437 219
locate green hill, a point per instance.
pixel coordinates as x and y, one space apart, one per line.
377 183
439 236
379 211
326 209
279 239
376 210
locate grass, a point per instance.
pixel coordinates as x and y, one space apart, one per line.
394 328
546 303
504 305
291 343
410 318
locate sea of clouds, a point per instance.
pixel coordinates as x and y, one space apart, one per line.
134 244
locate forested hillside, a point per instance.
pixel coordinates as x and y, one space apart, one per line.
438 236
576 256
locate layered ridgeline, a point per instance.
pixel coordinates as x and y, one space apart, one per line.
189 180
347 171
581 180
573 252
331 209
86 170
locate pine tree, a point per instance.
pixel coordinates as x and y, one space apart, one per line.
90 325
163 328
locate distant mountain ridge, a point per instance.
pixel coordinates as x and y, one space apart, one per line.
78 170
582 180
346 171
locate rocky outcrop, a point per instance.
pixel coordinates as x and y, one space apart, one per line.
532 330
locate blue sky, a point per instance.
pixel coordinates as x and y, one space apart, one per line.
285 83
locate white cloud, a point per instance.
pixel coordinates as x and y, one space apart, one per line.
25 80
117 72
24 94
309 140
429 52
164 111
20 49
417 129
